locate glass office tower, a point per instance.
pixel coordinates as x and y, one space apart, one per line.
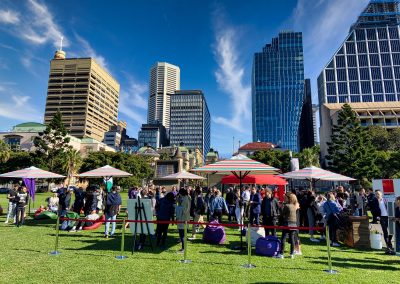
364 72
278 91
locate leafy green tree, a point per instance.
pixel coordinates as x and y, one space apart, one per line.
138 166
53 143
394 139
276 158
5 151
309 157
379 137
351 152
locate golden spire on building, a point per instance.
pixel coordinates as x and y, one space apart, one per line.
60 54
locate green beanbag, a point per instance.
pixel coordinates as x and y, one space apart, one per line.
46 215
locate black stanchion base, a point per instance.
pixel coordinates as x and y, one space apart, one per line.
54 253
120 257
185 261
248 265
331 271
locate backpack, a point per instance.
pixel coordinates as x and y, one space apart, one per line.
269 246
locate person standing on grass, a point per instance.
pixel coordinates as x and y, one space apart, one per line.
239 208
198 210
289 219
383 216
165 212
331 208
21 200
112 208
11 203
208 199
255 207
230 201
246 200
397 219
312 214
182 214
218 206
270 212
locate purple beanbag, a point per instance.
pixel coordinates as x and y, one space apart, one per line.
214 233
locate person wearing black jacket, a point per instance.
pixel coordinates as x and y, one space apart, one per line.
371 198
255 207
21 201
312 214
198 210
270 212
230 201
64 196
165 212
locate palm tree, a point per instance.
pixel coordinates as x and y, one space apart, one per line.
5 151
71 163
309 157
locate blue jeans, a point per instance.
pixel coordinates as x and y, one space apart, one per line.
110 218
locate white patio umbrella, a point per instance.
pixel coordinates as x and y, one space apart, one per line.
107 173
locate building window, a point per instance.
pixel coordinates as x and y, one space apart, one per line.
363 60
390 97
374 59
330 75
394 44
397 73
373 47
362 47
331 88
365 88
396 58
382 34
355 99
398 86
340 61
389 86
341 74
342 88
378 98
343 99
351 61
376 73
371 35
384 46
367 98
364 73
385 59
350 48
393 33
353 74
360 34
387 73
377 86
332 99
354 88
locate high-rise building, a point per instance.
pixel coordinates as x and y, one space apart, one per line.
364 72
306 126
278 91
86 95
152 134
190 120
164 81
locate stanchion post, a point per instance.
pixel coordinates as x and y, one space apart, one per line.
56 252
328 245
122 256
185 260
248 264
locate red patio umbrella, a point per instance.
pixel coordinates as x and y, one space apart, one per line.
255 179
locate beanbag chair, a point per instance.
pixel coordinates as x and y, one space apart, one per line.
96 224
256 233
269 246
214 233
46 215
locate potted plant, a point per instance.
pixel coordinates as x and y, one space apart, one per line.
376 239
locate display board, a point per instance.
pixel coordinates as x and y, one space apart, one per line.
141 214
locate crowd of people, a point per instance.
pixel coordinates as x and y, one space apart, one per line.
300 208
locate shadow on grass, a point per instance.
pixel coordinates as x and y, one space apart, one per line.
357 263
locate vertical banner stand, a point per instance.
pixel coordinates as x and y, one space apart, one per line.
328 245
248 264
122 256
185 260
56 252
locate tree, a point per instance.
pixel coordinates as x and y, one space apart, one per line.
351 152
5 151
53 143
394 139
276 158
379 137
309 157
138 166
72 161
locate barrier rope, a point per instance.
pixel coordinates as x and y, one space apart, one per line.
195 223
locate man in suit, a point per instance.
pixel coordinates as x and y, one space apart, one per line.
255 207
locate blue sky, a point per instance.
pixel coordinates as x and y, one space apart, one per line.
213 43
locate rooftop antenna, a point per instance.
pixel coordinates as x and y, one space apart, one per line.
61 42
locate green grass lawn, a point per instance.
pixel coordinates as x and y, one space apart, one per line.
87 257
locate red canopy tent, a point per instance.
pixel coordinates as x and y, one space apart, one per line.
259 179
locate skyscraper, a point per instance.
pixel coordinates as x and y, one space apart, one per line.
85 94
164 81
278 90
190 120
364 72
306 126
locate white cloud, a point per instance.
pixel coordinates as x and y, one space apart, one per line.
230 79
15 106
87 50
133 102
9 17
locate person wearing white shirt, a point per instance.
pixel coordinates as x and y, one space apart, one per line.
383 217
